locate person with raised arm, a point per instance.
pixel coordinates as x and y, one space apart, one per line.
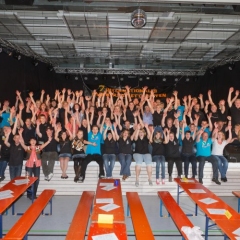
93 150
33 157
141 138
234 108
187 154
204 144
109 149
158 154
125 151
172 151
218 146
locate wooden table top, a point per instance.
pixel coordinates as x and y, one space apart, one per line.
220 204
98 229
17 192
116 194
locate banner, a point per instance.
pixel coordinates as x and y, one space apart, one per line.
134 92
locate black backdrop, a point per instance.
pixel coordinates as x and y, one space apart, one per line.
24 76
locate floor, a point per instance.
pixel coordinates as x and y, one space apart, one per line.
55 227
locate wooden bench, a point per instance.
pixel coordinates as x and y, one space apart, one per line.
24 224
78 227
178 216
140 222
237 194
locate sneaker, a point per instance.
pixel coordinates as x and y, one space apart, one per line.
216 181
224 179
101 176
46 178
2 178
163 181
137 183
150 182
81 180
170 179
50 176
157 181
200 180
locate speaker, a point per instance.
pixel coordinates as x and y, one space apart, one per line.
236 8
19 2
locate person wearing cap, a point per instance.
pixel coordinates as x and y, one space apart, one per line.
49 155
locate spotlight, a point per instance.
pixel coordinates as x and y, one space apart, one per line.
9 53
164 79
113 77
176 79
231 66
187 79
138 18
76 78
147 78
50 68
16 55
212 70
96 78
140 79
85 78
34 62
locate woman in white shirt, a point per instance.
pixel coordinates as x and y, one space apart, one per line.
218 145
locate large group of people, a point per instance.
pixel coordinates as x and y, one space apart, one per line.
103 128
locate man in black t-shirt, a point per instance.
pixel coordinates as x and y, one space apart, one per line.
16 156
49 155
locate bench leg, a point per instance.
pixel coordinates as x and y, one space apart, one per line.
50 213
161 215
26 237
1 226
13 209
178 192
127 210
238 205
206 227
196 209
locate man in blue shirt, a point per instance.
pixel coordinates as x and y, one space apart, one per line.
93 150
203 145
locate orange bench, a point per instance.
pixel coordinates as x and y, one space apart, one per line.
77 229
237 194
178 216
24 224
140 222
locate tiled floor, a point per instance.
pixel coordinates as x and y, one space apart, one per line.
55 227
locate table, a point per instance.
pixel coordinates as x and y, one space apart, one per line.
118 227
17 192
220 204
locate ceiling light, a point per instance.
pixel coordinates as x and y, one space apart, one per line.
187 79
138 18
34 62
231 66
147 78
113 77
76 78
16 56
140 79
176 79
85 78
164 79
121 79
96 78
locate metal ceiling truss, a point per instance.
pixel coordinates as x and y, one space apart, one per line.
24 51
102 71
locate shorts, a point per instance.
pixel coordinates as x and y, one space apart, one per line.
64 155
139 158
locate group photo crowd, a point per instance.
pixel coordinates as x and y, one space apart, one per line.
105 128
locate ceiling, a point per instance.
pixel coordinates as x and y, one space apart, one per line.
97 36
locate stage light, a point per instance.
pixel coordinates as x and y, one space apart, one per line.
76 78
138 18
17 55
187 79
176 79
96 78
147 78
164 79
231 66
113 77
34 62
140 79
85 78
121 78
51 68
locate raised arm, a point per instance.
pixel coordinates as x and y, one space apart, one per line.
231 101
88 122
136 133
200 97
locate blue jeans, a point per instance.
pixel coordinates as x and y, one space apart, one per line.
3 166
160 160
125 161
109 162
222 165
189 158
15 171
210 159
35 171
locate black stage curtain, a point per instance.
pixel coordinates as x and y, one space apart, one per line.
24 76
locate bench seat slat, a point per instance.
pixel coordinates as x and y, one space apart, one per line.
24 224
139 219
77 229
178 216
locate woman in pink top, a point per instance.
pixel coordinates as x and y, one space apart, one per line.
33 157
